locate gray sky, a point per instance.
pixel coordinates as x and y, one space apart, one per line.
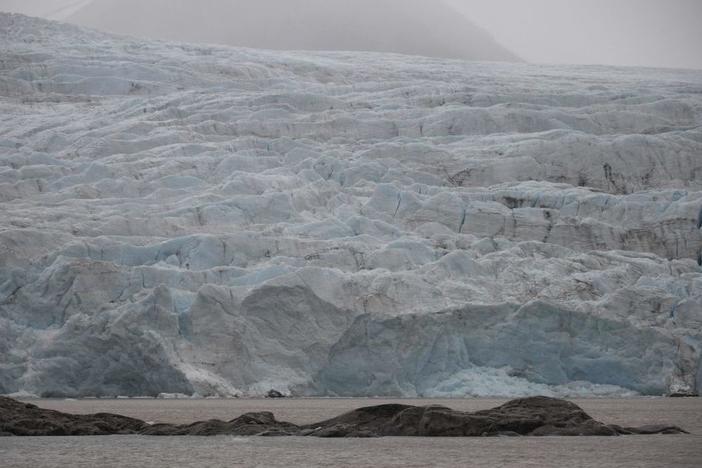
662 33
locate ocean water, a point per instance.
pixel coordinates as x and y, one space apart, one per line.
138 451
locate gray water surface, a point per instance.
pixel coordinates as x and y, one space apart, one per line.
136 451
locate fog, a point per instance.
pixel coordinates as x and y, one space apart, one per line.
658 33
418 27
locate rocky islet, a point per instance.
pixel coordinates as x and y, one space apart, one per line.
534 416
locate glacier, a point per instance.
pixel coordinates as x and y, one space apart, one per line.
217 221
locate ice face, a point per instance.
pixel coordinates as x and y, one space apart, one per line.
193 219
539 343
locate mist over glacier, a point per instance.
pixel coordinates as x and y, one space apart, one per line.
418 27
204 219
653 33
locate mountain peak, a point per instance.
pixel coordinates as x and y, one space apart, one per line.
414 27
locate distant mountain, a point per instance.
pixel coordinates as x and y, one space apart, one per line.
417 27
51 9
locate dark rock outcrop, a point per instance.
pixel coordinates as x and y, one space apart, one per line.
537 416
249 424
24 419
684 395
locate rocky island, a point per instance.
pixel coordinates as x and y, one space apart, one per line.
535 416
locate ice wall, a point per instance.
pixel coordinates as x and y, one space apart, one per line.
181 218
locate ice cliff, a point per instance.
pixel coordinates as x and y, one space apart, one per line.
197 219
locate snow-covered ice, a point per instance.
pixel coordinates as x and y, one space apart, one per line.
181 219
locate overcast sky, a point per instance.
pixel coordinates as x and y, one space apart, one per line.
662 33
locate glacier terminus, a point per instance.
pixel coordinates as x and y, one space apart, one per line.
221 221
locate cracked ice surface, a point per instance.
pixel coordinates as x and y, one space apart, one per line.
179 218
